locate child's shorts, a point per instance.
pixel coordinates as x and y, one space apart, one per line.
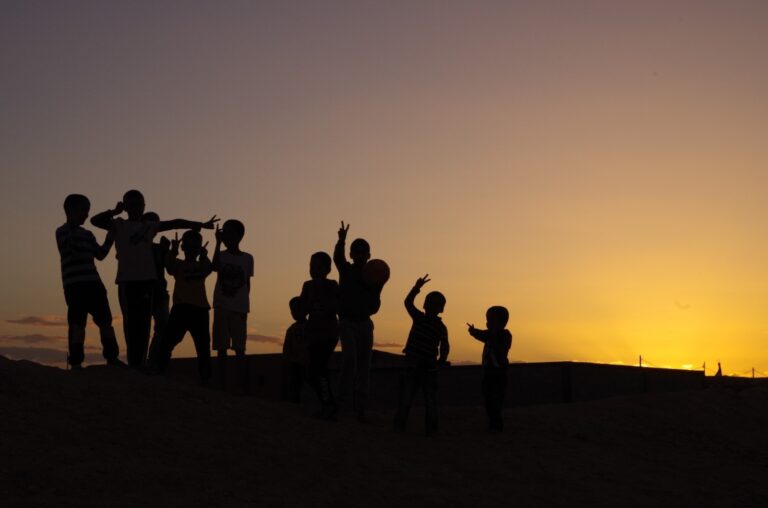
230 329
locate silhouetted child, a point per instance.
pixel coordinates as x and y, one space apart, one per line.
358 301
160 297
496 343
321 297
295 352
136 268
427 346
231 302
190 303
83 290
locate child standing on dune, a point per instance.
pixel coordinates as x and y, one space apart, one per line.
83 290
496 343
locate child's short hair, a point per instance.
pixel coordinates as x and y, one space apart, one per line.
74 201
297 306
192 236
151 217
435 300
237 227
133 194
323 261
499 314
361 244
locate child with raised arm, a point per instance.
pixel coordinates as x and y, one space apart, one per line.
320 296
83 290
231 302
358 301
190 303
426 348
295 352
496 343
136 269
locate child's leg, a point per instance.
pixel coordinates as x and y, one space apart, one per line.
77 316
501 391
347 337
488 396
174 333
410 381
160 304
102 317
136 303
362 376
318 367
238 334
220 343
430 399
198 328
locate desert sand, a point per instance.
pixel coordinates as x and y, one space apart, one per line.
113 437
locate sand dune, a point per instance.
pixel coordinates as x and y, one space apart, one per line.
105 437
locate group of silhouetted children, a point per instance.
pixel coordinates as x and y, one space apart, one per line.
325 312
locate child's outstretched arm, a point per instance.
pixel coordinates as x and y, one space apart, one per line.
481 335
411 297
166 225
339 257
105 247
105 219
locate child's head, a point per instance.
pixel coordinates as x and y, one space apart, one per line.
76 207
191 243
150 217
496 317
319 265
434 303
360 251
298 308
232 233
133 203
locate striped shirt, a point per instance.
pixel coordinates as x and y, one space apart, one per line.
77 248
428 337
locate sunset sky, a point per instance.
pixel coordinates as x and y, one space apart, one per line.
598 167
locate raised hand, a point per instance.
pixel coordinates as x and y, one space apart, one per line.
164 243
118 208
217 235
470 328
420 282
204 250
175 242
343 231
209 224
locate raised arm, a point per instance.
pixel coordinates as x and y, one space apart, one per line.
339 257
106 219
217 250
166 225
205 263
409 299
172 255
104 248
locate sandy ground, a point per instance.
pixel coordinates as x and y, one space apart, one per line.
107 437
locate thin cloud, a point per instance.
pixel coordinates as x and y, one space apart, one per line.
53 320
265 339
34 338
387 345
46 320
